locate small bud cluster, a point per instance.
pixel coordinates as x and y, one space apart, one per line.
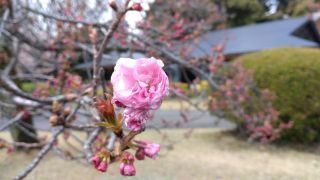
103 157
60 113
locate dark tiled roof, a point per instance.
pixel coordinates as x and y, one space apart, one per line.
108 60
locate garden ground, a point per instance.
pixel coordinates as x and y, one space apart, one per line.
207 154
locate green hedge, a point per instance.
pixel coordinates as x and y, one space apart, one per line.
294 75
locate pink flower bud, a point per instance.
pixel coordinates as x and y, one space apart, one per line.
127 169
105 109
103 166
137 7
140 154
127 157
96 160
119 104
151 150
113 5
26 115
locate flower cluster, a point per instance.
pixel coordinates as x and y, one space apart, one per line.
127 168
139 86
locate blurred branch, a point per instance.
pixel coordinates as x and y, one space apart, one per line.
88 143
7 105
111 141
9 85
41 154
174 58
100 25
109 34
14 60
28 145
4 19
12 121
186 99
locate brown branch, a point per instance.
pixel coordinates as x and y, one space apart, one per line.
107 38
28 145
4 19
12 121
13 60
111 141
174 58
71 21
41 154
10 86
57 47
186 99
85 127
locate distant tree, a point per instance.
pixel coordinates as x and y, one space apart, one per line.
242 12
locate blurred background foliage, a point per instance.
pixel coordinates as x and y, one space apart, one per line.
243 12
293 75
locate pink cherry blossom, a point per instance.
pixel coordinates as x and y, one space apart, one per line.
135 119
139 84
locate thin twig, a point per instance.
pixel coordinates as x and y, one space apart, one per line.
111 141
41 154
103 81
28 132
186 99
28 145
72 21
107 38
4 19
88 143
12 121
13 60
174 58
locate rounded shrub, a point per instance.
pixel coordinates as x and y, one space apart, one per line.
293 74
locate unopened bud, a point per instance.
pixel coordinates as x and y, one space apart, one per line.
136 7
66 111
56 106
113 5
105 109
140 155
53 120
71 97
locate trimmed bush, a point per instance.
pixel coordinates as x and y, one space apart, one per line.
293 74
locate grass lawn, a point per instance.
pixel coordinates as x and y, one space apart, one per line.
207 154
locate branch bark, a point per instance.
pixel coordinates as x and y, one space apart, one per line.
106 40
41 154
12 121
